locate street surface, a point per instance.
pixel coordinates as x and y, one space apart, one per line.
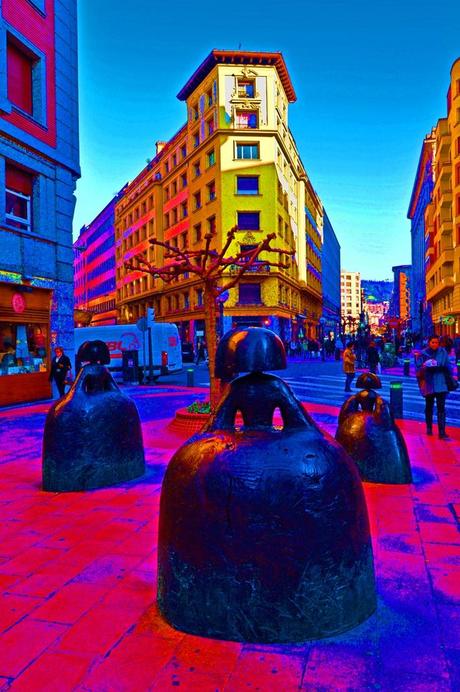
78 572
323 383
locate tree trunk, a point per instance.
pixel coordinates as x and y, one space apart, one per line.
210 314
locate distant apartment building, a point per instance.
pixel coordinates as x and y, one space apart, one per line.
330 278
442 217
39 166
400 300
350 299
94 268
420 199
233 163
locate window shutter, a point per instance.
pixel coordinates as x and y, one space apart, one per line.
18 180
19 68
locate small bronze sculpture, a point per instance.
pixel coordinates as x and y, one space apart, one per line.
371 437
264 533
92 436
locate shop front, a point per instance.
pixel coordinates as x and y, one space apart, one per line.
24 343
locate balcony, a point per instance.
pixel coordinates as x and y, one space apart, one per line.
446 256
445 177
443 286
444 138
446 198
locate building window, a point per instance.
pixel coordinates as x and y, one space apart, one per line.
211 157
197 200
246 119
18 200
211 191
196 140
183 151
196 169
249 294
247 151
248 220
199 297
212 224
246 88
210 125
197 232
209 97
183 180
174 160
184 210
247 185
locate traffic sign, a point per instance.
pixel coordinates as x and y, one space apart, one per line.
223 297
142 325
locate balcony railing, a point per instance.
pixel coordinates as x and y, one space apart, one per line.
256 268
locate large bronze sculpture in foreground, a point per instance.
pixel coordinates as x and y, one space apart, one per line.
93 435
371 437
264 533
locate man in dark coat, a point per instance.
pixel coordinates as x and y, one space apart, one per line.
60 368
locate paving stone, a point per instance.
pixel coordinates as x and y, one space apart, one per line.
23 644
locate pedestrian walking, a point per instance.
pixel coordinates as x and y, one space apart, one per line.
338 347
457 347
60 369
435 380
349 359
201 352
373 357
305 349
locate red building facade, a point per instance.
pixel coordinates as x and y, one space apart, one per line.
39 166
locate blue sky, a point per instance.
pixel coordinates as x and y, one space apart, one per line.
371 80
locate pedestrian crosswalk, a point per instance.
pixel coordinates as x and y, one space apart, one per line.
329 389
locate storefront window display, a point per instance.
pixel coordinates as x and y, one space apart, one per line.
23 348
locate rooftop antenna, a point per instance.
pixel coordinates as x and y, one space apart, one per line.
239 46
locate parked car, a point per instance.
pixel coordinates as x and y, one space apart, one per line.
188 354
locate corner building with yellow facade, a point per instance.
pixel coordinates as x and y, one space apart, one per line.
234 163
442 217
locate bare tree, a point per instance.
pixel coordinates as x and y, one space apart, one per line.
213 271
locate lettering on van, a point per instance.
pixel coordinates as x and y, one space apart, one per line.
128 342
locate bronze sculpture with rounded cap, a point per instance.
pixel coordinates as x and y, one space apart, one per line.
93 436
264 533
371 437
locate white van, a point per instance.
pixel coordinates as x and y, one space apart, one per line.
166 352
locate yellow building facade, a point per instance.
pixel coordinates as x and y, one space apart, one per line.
234 163
442 217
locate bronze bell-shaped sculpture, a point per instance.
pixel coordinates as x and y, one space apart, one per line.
371 437
264 533
93 435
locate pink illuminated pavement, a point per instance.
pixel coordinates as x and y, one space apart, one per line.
78 576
